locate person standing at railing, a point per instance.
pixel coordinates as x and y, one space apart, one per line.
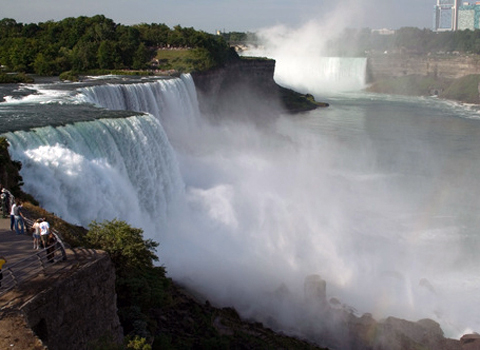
3 261
12 217
44 231
36 234
19 218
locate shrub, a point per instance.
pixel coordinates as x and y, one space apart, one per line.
128 250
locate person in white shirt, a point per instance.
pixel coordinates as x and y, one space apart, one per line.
44 232
12 217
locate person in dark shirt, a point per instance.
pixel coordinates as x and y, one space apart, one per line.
19 218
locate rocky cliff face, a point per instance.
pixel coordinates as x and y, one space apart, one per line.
451 77
244 90
339 328
447 67
255 72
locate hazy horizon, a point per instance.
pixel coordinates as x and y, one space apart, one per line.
213 15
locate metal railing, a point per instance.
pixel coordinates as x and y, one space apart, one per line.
41 262
31 266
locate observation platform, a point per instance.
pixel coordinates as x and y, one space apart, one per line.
27 274
12 246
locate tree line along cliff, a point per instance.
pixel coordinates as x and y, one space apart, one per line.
89 43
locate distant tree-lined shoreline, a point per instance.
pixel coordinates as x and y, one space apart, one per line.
94 43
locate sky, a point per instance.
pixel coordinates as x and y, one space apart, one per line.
229 15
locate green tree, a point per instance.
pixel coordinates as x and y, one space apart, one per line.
84 56
43 65
141 56
139 284
9 28
125 245
153 35
107 55
21 54
128 40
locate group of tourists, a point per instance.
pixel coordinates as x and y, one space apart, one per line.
13 207
43 237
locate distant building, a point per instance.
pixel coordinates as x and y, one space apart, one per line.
469 16
466 17
446 15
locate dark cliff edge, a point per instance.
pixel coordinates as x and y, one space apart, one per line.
245 89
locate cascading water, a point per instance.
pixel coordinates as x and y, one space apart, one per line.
120 168
319 75
172 101
105 169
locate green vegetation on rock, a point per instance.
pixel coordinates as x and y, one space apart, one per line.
296 102
464 89
15 78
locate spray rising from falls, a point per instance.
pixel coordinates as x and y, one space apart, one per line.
301 60
310 73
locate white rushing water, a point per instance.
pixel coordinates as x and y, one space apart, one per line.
370 193
106 169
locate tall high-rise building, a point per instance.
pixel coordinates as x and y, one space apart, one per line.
446 15
466 16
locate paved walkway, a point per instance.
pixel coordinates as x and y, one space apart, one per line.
12 246
29 269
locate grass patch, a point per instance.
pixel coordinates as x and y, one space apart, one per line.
180 60
464 89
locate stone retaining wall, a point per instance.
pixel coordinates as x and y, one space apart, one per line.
77 309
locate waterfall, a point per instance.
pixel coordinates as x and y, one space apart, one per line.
173 101
319 75
112 168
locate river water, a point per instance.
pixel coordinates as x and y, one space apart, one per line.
377 194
